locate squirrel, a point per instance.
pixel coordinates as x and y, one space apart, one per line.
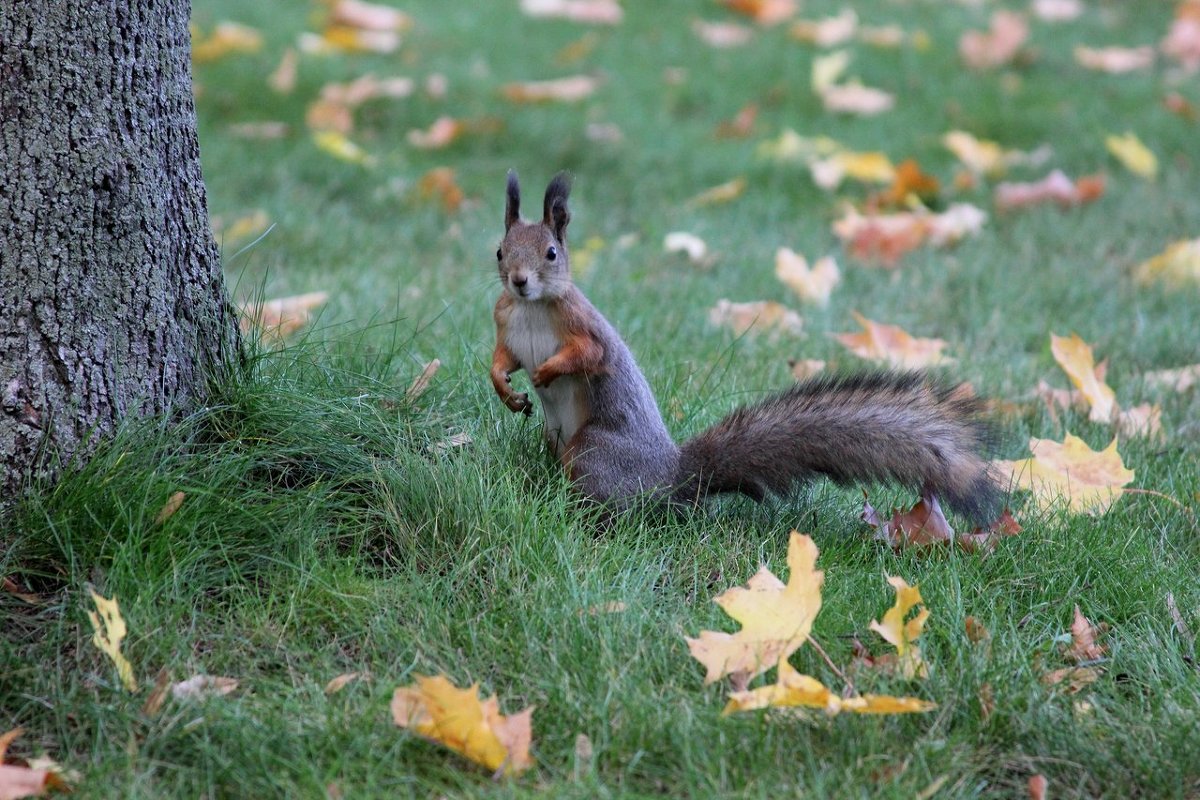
603 424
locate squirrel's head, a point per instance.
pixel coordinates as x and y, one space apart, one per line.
533 257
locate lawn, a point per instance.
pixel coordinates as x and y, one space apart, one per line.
335 522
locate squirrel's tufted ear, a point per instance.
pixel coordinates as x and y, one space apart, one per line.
512 209
555 212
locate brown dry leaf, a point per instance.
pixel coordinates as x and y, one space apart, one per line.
854 98
1054 188
763 315
923 525
276 319
722 193
9 586
775 618
764 12
109 631
1075 678
158 695
984 540
1173 380
827 32
1057 10
420 383
812 285
26 778
1115 60
337 684
1037 787
722 35
902 634
976 632
1083 640
804 368
1182 41
571 89
741 126
283 79
169 508
202 687
443 132
1176 267
227 38
1075 357
601 12
441 183
890 344
1088 480
998 45
438 710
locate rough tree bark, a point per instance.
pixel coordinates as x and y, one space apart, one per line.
112 301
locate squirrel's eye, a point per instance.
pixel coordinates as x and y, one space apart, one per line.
499 255
551 254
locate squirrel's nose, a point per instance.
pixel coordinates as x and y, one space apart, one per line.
519 281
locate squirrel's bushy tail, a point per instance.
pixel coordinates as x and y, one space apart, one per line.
881 426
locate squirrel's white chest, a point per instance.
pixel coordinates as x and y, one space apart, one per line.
531 337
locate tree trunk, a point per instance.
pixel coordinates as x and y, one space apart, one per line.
112 302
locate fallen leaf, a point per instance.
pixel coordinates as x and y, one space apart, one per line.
421 383
337 684
1057 10
902 634
1182 41
245 227
722 193
794 689
1173 380
158 695
854 98
976 632
352 39
908 183
987 701
690 244
890 344
1087 480
202 687
21 778
1075 357
368 16
441 133
775 618
602 12
564 90
828 69
1083 640
884 238
110 631
984 540
812 285
1133 155
827 32
279 318
283 79
764 12
169 508
1055 187
1144 421
1175 267
722 35
985 157
227 38
923 525
1075 678
791 147
882 35
1180 106
997 46
258 130
10 586
337 145
1115 60
804 368
741 126
866 167
438 710
441 183
763 315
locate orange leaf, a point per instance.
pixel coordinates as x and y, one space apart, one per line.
1055 187
910 181
440 182
764 12
892 345
283 316
922 525
1083 640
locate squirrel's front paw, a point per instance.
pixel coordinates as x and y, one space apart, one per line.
543 377
519 403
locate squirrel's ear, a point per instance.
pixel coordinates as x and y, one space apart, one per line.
555 212
512 209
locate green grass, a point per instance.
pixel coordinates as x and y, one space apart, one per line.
325 531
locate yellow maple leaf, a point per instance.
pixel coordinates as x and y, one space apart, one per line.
1135 156
813 284
337 145
721 193
794 689
437 709
110 631
226 38
865 167
776 618
892 345
1088 480
1074 355
901 634
1175 267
